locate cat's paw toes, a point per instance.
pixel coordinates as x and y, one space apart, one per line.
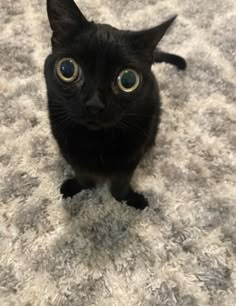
70 188
136 200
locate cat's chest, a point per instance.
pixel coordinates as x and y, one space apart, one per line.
93 145
102 155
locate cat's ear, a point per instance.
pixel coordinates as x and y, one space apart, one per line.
65 18
147 40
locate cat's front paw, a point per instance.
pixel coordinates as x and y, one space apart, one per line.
70 188
136 200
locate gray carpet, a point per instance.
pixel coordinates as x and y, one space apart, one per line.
93 250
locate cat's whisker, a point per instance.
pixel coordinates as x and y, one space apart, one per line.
61 117
134 128
59 112
140 115
127 128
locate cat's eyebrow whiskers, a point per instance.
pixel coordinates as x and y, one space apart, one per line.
72 87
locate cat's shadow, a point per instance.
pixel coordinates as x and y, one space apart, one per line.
107 229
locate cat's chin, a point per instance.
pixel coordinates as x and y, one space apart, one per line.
94 128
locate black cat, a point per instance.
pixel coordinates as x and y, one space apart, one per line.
103 99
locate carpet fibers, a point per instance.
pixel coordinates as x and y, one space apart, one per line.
92 250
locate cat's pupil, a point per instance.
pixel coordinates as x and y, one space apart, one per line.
67 69
128 79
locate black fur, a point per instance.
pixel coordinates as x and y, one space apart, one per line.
110 143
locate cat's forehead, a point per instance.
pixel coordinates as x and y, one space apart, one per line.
101 39
102 45
107 34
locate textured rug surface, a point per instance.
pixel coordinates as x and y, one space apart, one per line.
92 250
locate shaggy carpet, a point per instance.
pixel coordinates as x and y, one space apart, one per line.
92 250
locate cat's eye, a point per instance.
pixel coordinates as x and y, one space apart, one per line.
67 69
128 80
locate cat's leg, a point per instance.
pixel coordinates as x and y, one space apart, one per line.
121 191
160 56
74 185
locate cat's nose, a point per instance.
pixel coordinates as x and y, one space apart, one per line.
94 106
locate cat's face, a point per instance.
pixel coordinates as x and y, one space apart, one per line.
98 74
98 78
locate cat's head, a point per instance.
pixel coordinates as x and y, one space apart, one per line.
96 73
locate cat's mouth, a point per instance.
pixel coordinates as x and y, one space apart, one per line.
93 125
96 125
